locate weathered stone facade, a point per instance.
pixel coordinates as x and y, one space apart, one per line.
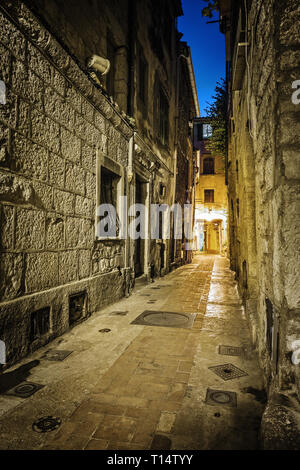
185 154
60 129
263 44
210 194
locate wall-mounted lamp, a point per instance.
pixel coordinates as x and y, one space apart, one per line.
99 64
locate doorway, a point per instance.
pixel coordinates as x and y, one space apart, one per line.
139 244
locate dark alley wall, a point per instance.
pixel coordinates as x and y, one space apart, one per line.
263 175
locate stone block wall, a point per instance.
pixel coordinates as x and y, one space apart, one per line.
264 140
54 121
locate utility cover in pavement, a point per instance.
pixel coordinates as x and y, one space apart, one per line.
120 313
220 397
169 319
230 350
46 424
228 371
56 355
24 389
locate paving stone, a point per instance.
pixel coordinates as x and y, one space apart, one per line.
96 444
152 393
166 422
117 428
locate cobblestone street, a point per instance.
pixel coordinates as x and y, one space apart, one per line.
141 387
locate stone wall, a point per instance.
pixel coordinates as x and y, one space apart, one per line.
52 125
59 127
263 174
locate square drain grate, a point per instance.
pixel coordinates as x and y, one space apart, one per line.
24 389
168 319
221 397
228 371
56 355
230 350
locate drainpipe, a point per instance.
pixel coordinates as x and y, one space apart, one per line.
130 278
130 158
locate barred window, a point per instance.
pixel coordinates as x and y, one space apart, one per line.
206 131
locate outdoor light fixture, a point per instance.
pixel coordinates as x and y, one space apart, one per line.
99 64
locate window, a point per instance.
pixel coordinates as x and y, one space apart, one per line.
109 191
110 77
163 111
238 207
143 78
208 166
208 195
206 131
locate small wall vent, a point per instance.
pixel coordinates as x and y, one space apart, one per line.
77 307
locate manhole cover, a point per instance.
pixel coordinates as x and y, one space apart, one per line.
119 313
24 389
169 319
56 355
46 424
104 330
228 371
220 397
230 350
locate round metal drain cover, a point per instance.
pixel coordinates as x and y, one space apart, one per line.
46 424
25 389
104 330
166 319
220 397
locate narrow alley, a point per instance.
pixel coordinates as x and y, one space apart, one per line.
149 225
174 382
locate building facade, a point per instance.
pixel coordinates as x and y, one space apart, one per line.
75 136
210 227
262 44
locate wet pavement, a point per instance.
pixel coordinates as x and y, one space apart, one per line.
139 386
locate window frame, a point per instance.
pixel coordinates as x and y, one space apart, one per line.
211 192
110 165
211 160
208 135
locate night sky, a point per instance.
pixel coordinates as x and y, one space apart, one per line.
207 46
